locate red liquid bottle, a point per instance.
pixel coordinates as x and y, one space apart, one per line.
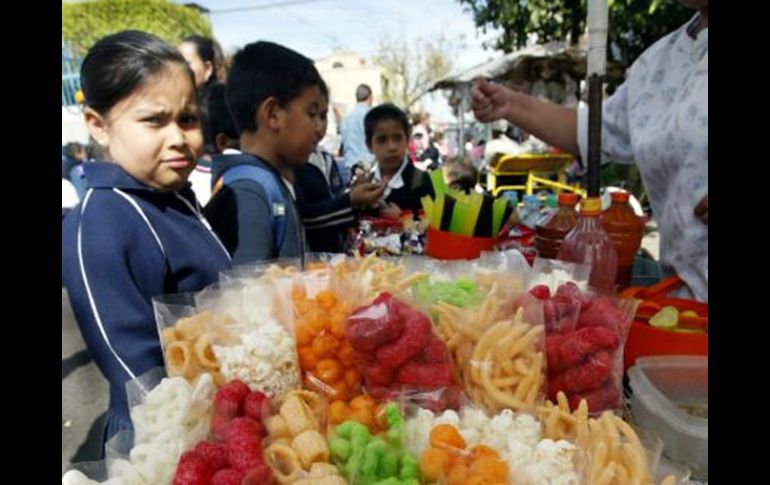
552 229
588 243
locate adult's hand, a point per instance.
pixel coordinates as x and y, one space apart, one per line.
490 101
702 209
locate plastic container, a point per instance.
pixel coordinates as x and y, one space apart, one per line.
512 196
670 398
552 229
447 245
550 205
588 243
626 230
645 340
529 214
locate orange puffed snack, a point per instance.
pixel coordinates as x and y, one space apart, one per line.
434 464
493 469
325 345
446 435
325 355
447 462
477 451
338 412
363 409
329 371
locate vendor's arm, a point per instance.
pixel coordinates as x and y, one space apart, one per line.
554 124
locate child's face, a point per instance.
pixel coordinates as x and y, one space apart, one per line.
155 133
389 143
302 125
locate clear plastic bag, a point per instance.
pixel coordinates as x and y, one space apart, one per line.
613 452
503 361
552 273
498 353
585 335
325 355
359 280
258 269
187 336
169 416
364 458
396 350
449 461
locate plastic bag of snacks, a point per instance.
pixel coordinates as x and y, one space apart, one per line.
615 453
585 334
188 335
449 461
366 459
325 354
262 352
516 437
396 350
258 269
296 448
169 415
359 280
498 353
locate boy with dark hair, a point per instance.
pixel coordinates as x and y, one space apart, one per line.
387 136
327 211
275 98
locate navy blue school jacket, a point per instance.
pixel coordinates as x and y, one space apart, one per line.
122 245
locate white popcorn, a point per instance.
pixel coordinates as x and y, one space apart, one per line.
265 360
531 460
448 417
552 464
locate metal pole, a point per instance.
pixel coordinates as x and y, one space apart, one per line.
461 136
594 134
597 66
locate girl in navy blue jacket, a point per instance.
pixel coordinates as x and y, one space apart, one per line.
138 232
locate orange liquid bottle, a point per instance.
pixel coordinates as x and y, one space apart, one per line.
626 230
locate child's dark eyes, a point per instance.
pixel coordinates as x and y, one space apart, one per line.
153 120
384 139
189 119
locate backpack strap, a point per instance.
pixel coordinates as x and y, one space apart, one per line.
275 198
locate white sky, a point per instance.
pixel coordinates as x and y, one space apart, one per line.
316 28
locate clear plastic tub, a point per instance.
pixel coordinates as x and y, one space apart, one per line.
670 398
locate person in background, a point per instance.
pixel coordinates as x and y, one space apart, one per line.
387 132
460 174
73 156
327 211
354 150
218 126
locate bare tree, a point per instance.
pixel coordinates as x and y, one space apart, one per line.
412 67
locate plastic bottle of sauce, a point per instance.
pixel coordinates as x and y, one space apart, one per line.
626 230
588 243
551 230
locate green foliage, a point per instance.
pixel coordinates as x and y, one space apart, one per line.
84 23
633 24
